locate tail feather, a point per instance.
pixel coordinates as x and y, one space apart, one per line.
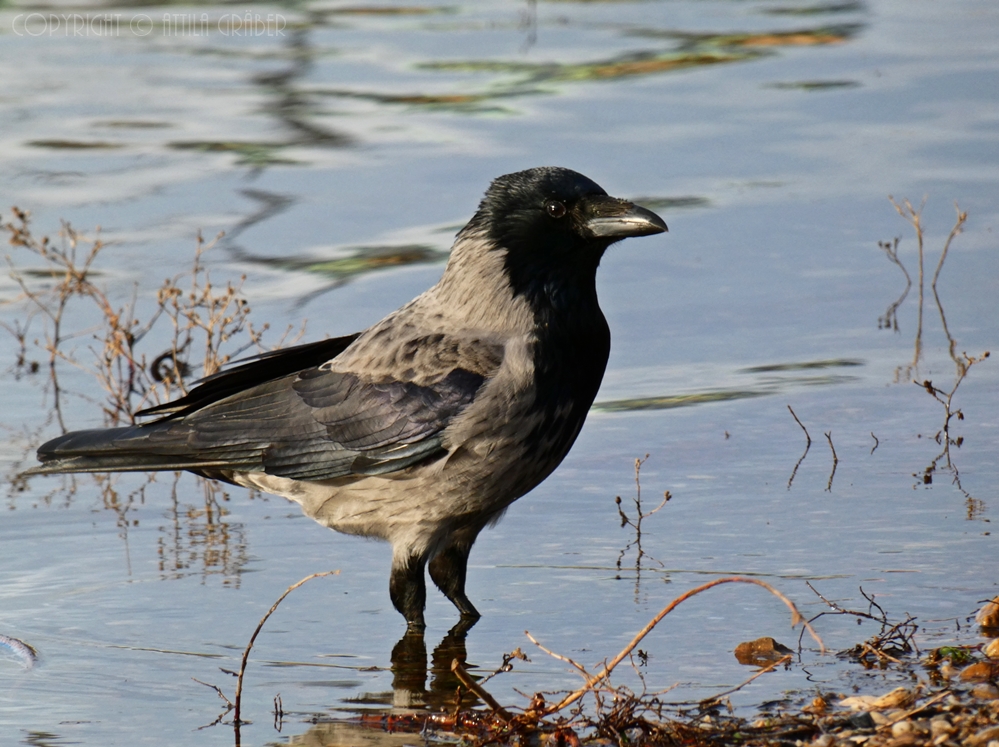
113 450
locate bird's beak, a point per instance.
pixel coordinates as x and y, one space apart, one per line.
611 218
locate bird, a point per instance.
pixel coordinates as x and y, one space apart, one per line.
424 428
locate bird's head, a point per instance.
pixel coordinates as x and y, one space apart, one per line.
552 219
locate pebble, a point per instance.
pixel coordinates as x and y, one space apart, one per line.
948 671
983 738
902 728
988 615
985 691
897 698
862 720
858 702
992 650
941 727
761 652
980 671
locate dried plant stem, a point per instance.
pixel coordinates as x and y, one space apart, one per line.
473 686
217 692
962 218
890 319
914 217
796 617
808 439
832 474
204 318
566 659
768 668
808 445
260 625
878 654
909 714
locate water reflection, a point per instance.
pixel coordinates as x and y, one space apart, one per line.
293 95
392 718
890 318
410 670
621 66
777 378
819 9
352 263
198 539
805 37
286 99
963 362
349 734
527 78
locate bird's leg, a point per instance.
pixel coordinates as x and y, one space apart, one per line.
448 570
408 589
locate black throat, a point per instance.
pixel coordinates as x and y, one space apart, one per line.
573 344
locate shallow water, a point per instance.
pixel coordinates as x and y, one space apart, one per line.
340 149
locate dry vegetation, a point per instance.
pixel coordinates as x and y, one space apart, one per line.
952 699
141 352
190 329
963 362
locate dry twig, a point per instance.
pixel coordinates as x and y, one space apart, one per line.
786 659
832 474
260 625
212 320
808 445
482 693
595 679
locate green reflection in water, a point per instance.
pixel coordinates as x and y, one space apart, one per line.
764 387
640 63
820 36
360 260
814 10
378 10
806 366
74 144
676 400
815 85
455 102
250 153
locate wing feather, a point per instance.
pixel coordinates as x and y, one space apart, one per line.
313 424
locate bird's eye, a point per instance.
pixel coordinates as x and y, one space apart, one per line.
555 209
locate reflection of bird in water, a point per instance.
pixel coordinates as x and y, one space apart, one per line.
409 669
422 429
410 713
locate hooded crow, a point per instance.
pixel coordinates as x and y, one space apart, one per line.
422 429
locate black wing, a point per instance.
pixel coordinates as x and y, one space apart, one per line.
259 369
323 424
312 425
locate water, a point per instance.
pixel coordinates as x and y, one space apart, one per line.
340 149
